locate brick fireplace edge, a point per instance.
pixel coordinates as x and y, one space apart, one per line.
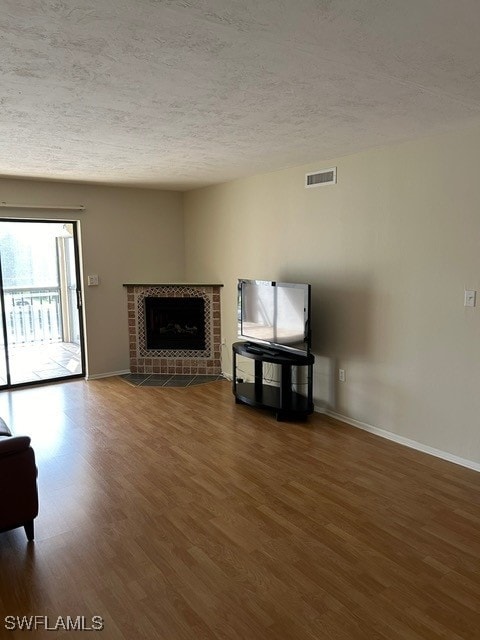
174 362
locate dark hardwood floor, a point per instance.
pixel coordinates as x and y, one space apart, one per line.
176 514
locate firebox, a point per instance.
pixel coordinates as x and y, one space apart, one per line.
175 323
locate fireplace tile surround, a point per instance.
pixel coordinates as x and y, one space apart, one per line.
174 361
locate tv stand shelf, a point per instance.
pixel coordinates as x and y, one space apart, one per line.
286 402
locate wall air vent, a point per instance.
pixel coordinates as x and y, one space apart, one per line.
320 178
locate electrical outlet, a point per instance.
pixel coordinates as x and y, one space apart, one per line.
224 341
341 375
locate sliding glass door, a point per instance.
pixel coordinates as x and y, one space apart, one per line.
41 328
4 372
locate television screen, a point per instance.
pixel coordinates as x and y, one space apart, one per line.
276 313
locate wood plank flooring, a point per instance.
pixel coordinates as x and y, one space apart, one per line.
177 514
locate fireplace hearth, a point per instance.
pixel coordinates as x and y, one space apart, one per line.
174 329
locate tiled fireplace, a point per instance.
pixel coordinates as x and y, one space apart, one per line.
174 328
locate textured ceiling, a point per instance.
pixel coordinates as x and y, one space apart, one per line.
184 93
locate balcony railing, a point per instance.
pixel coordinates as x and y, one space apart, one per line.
33 315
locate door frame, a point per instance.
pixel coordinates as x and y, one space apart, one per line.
80 308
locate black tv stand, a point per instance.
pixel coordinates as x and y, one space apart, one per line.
282 398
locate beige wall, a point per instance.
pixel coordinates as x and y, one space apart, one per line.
389 251
127 235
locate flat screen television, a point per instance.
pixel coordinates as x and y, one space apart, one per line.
275 314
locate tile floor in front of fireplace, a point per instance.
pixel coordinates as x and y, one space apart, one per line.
167 380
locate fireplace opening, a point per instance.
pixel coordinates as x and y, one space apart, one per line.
175 323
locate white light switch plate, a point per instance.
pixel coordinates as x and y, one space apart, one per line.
470 299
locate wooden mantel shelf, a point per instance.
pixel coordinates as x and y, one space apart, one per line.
171 284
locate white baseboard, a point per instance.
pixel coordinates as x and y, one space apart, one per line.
412 444
111 374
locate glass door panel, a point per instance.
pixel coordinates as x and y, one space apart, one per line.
42 322
4 372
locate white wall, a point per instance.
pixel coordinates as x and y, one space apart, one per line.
127 235
389 251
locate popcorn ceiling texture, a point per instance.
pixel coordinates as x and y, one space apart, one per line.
174 361
183 93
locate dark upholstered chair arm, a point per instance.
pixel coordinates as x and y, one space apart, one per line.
18 484
14 444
